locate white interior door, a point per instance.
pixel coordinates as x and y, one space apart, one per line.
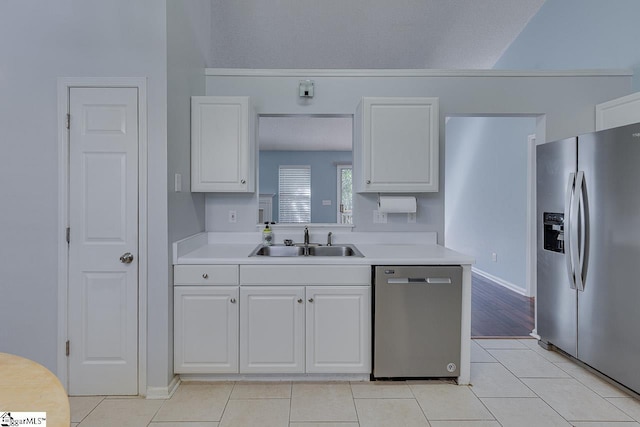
103 220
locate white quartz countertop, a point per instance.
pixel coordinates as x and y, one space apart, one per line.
203 251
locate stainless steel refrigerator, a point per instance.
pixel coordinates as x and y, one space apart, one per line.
588 217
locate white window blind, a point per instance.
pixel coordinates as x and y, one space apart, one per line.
295 194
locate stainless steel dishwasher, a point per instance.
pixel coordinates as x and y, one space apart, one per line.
416 321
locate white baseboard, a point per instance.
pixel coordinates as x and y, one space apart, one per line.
275 377
515 288
164 392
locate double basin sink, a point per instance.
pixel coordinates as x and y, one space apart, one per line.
311 250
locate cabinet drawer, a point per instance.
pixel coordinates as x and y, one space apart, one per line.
305 274
206 274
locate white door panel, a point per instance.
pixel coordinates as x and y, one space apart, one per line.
338 334
206 329
103 217
272 329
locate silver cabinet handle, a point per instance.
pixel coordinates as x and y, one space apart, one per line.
310 299
368 181
242 181
126 258
233 300
205 276
299 300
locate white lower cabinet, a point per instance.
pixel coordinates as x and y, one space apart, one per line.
314 329
206 329
279 319
338 332
272 329
305 319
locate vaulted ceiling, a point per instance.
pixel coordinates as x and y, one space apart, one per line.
343 34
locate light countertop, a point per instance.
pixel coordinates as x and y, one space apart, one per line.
205 250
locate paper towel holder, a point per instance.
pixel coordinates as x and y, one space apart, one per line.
397 204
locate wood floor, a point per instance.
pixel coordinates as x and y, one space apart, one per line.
499 312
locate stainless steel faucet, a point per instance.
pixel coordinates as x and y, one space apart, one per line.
306 241
329 238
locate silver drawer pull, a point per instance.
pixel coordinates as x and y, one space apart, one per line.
429 280
439 280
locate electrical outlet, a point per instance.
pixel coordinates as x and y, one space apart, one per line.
494 257
379 217
233 217
411 218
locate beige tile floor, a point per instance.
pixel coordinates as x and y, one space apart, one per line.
514 383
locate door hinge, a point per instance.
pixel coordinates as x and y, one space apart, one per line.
67 348
68 235
67 121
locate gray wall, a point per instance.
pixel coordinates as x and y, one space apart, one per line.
188 35
572 34
41 41
486 192
567 103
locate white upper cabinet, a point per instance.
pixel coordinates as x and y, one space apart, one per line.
397 145
222 144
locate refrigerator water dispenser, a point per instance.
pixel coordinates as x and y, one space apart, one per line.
553 231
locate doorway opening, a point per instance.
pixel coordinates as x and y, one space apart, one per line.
490 214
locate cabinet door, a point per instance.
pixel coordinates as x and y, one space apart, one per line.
399 144
272 329
222 149
206 329
338 329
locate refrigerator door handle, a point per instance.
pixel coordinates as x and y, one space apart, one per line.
580 182
568 226
574 237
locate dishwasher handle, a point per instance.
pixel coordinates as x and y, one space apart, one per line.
428 280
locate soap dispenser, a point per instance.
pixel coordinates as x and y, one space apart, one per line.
267 235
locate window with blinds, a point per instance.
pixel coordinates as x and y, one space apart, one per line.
294 194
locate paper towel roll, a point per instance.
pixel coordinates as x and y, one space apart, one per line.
397 204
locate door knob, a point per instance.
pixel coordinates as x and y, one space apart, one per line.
126 258
310 299
233 300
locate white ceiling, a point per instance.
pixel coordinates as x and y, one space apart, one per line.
437 34
305 133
